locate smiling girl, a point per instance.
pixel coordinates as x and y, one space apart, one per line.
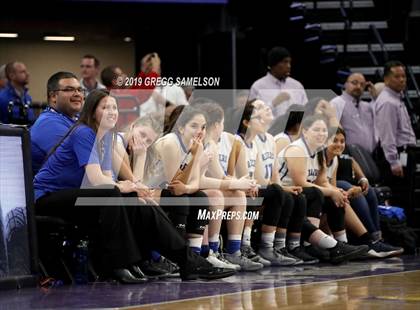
362 197
302 163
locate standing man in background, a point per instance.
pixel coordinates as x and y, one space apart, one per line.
89 72
355 115
396 135
277 88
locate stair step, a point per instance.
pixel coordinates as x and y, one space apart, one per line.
358 36
355 25
326 5
372 70
357 48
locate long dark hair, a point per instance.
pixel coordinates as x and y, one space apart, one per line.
246 116
169 123
186 115
338 131
86 116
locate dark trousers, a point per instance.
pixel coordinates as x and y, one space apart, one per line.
277 209
123 232
184 213
366 207
402 188
298 213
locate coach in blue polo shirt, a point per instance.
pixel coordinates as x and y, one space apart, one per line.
65 98
15 101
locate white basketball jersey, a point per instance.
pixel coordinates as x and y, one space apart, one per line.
312 166
266 148
158 178
225 147
251 153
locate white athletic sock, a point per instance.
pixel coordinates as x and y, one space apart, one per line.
341 237
195 242
280 240
267 240
327 242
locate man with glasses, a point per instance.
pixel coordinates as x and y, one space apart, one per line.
357 116
89 71
65 101
15 101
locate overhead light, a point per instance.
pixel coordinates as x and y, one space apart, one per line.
58 38
127 39
8 35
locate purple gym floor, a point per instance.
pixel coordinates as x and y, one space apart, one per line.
111 295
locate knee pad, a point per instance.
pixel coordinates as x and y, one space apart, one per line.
299 208
307 229
314 201
335 215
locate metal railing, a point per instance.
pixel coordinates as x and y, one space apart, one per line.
347 15
377 38
410 106
379 75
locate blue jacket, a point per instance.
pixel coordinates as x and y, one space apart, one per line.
15 109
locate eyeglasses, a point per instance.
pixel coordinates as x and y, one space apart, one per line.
355 83
73 90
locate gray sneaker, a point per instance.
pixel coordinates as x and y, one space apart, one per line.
249 253
286 253
218 261
246 264
276 258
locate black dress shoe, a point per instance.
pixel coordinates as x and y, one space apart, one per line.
126 277
170 267
201 268
151 270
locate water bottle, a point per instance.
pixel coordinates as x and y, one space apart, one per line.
80 258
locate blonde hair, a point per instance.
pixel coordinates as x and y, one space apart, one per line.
153 121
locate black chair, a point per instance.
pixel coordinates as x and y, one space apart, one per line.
57 241
371 171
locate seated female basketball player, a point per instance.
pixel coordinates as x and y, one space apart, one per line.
134 147
118 223
362 197
290 223
179 157
278 205
220 186
302 163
